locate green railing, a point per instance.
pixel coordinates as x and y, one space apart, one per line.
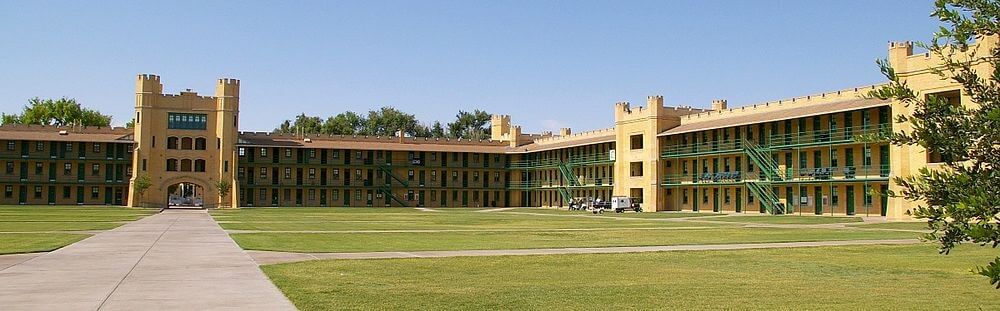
567 173
388 171
566 196
387 192
823 137
711 147
598 158
762 159
765 195
839 172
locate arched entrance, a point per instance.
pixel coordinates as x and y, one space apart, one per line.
185 194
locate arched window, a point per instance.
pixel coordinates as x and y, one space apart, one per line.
171 165
186 143
185 165
199 165
199 143
171 142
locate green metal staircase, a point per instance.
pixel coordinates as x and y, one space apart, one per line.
762 159
387 192
388 171
566 195
762 191
769 171
567 173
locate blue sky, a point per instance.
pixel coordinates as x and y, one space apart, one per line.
549 64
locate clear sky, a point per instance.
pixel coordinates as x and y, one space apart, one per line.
549 64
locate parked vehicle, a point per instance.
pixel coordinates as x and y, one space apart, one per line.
618 204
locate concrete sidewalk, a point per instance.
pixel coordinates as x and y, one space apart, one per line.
175 260
270 257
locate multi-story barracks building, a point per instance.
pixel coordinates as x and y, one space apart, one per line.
798 155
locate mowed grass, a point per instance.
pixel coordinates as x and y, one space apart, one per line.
41 228
359 219
380 229
788 219
896 225
855 277
426 241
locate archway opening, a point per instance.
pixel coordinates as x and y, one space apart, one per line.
185 194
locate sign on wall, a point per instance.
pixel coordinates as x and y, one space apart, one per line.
611 155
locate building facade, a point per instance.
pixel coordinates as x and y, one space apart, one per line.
816 154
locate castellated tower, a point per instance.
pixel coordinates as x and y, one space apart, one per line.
185 143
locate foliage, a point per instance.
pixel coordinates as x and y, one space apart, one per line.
961 200
470 125
141 183
388 121
224 186
60 112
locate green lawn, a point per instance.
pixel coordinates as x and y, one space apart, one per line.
378 219
910 277
896 225
788 219
414 241
35 228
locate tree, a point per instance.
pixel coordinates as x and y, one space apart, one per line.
961 200
130 124
470 125
141 183
388 120
60 112
223 186
437 131
346 123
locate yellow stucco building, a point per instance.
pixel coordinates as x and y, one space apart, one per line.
798 155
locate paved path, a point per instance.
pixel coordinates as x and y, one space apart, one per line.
175 260
267 257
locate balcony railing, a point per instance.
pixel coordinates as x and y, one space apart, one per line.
819 137
709 147
842 173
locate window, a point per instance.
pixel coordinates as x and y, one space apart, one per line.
263 152
288 152
635 169
357 155
171 165
69 147
336 174
186 143
66 192
187 121
312 153
336 195
336 154
288 173
312 173
242 151
8 191
496 176
10 145
834 198
312 194
263 194
684 197
95 169
454 175
868 155
635 141
199 165
38 168
95 192
475 176
67 169
263 173
199 143
833 158
357 195
97 148
40 146
434 175
186 165
409 175
38 192
143 165
434 157
10 167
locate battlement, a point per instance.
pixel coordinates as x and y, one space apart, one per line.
148 83
719 104
365 138
569 137
821 98
227 87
